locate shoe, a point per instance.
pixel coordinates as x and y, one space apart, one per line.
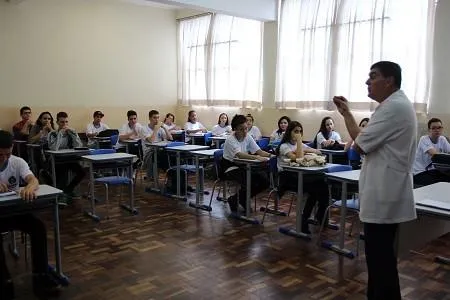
305 226
232 202
44 286
7 290
64 200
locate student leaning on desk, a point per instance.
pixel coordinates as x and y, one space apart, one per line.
13 169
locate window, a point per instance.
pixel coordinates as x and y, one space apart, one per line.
219 61
327 47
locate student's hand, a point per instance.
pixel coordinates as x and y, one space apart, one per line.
341 104
261 158
331 141
3 188
298 137
28 194
204 130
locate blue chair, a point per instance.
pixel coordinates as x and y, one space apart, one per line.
354 159
101 151
263 143
114 138
310 144
208 137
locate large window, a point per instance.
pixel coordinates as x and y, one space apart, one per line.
219 61
326 48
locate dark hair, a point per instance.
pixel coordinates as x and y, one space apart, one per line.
6 139
168 115
251 117
363 120
433 120
323 130
237 120
152 113
61 114
39 123
131 113
287 135
279 131
227 122
24 108
389 69
189 115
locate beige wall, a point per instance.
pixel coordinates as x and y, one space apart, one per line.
83 55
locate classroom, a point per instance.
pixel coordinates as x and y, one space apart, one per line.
155 143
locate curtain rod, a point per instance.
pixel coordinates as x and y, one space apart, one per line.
195 16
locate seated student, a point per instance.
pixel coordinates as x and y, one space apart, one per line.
95 127
277 135
238 145
14 169
292 147
193 125
326 137
429 145
362 124
223 126
356 163
131 129
66 138
252 130
21 129
169 123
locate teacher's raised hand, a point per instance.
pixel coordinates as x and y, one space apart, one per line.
341 104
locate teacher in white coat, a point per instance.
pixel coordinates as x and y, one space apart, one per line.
385 183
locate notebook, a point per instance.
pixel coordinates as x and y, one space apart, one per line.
10 193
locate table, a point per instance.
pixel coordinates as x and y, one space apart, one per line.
194 136
108 158
345 178
63 153
330 153
128 143
157 146
217 140
248 163
178 150
46 196
31 148
101 140
199 183
300 203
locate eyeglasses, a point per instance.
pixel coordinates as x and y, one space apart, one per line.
436 128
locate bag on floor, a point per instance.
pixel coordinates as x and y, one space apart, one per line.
171 182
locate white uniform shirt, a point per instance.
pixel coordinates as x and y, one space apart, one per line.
333 136
385 183
16 169
146 132
125 129
423 159
91 129
286 148
192 126
170 127
255 133
276 137
232 146
218 130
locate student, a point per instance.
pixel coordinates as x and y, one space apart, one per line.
238 145
21 129
429 145
40 131
95 127
192 125
363 123
169 123
223 126
292 147
277 135
326 137
252 130
14 169
66 138
131 129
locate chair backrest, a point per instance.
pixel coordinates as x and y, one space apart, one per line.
263 143
114 139
273 170
218 155
339 168
309 144
353 155
101 151
207 137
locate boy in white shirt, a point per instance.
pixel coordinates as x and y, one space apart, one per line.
241 145
94 128
429 145
13 170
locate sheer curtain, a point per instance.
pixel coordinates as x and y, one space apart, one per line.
220 61
326 48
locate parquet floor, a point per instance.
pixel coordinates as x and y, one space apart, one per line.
170 251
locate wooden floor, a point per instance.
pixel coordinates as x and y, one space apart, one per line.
170 251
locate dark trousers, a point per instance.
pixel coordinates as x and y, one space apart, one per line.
259 182
314 185
383 282
61 176
430 177
35 228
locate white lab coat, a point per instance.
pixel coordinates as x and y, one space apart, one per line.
385 183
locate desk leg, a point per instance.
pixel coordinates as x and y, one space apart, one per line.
297 232
199 187
442 260
52 162
330 158
340 249
155 187
133 210
58 272
91 213
248 199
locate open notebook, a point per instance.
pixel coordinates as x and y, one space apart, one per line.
10 193
434 204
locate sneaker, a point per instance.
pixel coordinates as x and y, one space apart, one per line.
232 202
64 200
44 286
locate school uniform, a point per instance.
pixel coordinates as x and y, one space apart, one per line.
423 169
188 126
333 136
313 184
144 134
386 189
91 128
259 179
255 133
276 136
219 130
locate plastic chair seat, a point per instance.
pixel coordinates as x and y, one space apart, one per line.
113 180
351 204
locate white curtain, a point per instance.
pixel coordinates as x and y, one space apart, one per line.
326 48
220 61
